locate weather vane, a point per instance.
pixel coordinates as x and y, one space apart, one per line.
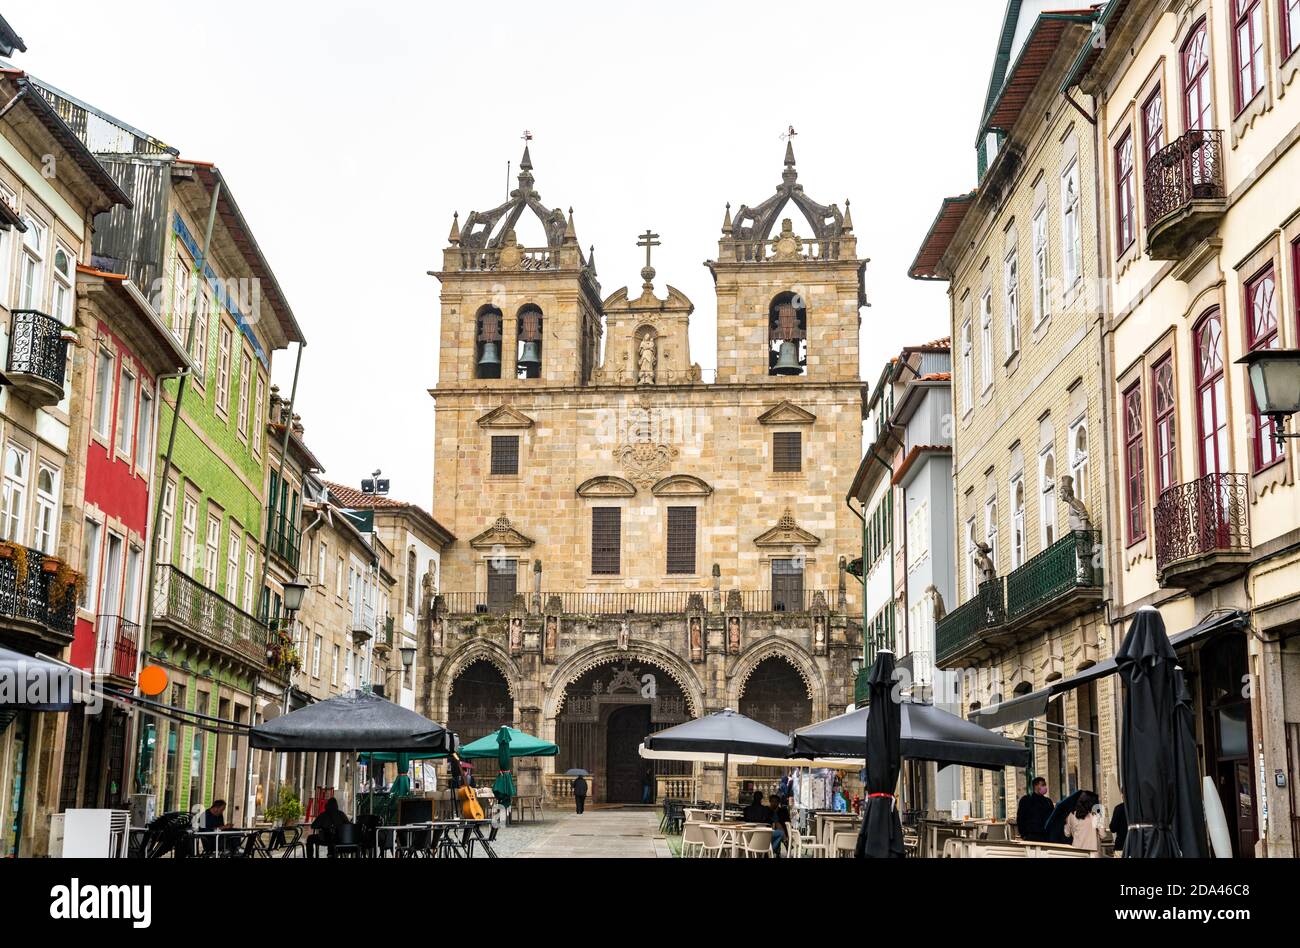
788 134
526 137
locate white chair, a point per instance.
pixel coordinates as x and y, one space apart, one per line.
801 846
692 839
711 842
845 845
757 843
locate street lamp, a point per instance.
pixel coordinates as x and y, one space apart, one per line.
1275 382
408 656
294 590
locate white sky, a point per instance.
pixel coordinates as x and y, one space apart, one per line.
350 131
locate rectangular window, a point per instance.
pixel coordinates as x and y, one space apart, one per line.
1125 193
334 665
340 577
125 406
110 595
1153 124
991 528
967 400
7 247
1290 27
1041 277
502 583
47 509
1011 302
90 541
167 523
144 432
232 564
316 644
223 370
505 454
681 541
259 422
1261 333
787 452
968 539
322 562
1162 407
1071 229
212 551
986 341
787 585
181 270
17 470
245 371
606 540
189 534
200 352
32 262
103 411
1248 49
250 562
1135 466
131 588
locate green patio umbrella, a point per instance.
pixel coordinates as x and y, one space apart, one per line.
520 745
504 786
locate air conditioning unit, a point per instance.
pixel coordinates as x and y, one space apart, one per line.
56 835
144 809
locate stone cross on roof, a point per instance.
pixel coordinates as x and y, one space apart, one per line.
649 240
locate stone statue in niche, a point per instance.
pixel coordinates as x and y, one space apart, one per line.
819 634
645 358
624 635
697 639
984 563
552 633
516 633
1080 518
733 635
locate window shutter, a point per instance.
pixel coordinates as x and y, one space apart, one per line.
787 451
502 583
606 540
505 454
787 586
681 540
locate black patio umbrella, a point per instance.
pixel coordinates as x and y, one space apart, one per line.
1189 808
723 732
881 836
926 733
354 722
1148 757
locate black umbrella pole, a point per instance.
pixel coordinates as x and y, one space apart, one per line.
726 772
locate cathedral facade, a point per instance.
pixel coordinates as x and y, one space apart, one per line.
638 545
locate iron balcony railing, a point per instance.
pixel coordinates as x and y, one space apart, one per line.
1188 169
1204 516
202 613
37 346
118 644
29 596
1072 562
284 538
967 624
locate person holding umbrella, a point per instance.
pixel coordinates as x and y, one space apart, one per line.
580 793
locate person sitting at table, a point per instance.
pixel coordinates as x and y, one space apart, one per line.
780 823
325 827
756 812
213 819
1033 812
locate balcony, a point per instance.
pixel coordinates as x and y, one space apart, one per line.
38 607
1058 584
971 630
117 646
187 608
645 602
1184 193
384 640
1203 531
363 624
38 356
284 539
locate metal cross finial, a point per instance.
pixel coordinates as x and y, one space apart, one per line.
527 136
789 134
648 240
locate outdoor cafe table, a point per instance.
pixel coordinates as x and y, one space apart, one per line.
732 832
827 824
452 825
218 836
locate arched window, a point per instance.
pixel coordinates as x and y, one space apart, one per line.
528 350
412 566
1017 523
1079 468
487 343
1163 425
1198 106
1047 490
1211 412
787 336
991 528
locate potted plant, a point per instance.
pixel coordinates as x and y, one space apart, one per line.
287 808
50 564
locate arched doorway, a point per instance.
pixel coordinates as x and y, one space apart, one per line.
479 702
607 713
776 695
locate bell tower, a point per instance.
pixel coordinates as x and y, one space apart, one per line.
515 315
788 295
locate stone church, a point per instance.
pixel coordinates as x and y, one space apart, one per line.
639 545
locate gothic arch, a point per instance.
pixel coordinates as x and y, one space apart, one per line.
479 650
608 653
805 667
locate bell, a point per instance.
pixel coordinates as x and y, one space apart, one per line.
531 358
787 362
489 364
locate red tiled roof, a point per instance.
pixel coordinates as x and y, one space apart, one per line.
951 214
354 499
937 377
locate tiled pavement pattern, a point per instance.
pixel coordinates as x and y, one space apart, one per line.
596 834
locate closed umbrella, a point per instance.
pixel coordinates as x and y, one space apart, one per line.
503 788
1148 758
728 733
881 836
1189 809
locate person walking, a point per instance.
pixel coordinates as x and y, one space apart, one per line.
1033 812
1083 826
580 793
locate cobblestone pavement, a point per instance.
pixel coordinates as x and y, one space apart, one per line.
596 834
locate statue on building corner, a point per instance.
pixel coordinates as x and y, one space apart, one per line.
1080 518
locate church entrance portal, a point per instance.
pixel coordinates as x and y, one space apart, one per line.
624 768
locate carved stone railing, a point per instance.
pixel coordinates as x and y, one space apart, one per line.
207 617
640 602
559 787
675 788
528 258
1202 517
808 248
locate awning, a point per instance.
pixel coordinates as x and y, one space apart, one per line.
1034 705
28 683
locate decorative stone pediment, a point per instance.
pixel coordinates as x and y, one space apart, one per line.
606 485
505 417
786 413
501 533
681 485
787 533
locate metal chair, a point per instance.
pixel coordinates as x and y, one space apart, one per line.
347 841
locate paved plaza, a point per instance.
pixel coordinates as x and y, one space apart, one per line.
597 834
